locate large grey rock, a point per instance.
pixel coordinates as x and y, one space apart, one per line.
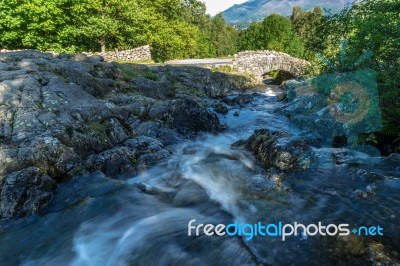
212 84
25 192
153 89
187 117
279 150
221 108
149 151
114 162
156 130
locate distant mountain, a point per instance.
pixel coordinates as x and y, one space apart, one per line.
255 10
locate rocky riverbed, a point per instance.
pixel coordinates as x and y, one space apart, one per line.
105 164
66 115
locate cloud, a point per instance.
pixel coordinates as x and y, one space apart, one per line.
216 6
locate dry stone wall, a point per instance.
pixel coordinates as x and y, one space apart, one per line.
139 53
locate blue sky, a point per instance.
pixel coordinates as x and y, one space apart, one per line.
216 6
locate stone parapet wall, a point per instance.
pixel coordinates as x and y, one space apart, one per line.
261 62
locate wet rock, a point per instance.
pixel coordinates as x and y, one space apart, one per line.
187 117
149 159
369 177
348 246
278 149
135 156
25 192
238 99
368 252
381 256
220 108
189 195
149 151
355 156
115 162
282 97
157 130
367 193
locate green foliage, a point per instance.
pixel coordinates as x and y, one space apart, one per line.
100 129
306 26
176 41
131 71
224 38
372 26
276 33
242 80
151 75
174 28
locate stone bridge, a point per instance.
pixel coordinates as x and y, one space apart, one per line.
262 62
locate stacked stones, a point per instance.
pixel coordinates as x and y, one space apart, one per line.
139 53
261 62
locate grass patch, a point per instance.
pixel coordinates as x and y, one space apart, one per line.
133 160
128 71
131 71
145 62
99 128
242 80
225 69
228 69
151 75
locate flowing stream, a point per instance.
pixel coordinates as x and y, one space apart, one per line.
95 220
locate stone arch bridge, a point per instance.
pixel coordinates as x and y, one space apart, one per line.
262 62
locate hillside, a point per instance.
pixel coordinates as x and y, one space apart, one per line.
255 10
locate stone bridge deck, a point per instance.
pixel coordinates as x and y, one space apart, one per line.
262 62
256 62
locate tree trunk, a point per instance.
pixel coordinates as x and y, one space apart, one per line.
103 45
117 53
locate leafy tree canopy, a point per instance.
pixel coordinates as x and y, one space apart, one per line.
174 28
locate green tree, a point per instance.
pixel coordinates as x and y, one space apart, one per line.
223 37
275 32
111 23
31 24
306 25
176 41
174 28
375 26
250 39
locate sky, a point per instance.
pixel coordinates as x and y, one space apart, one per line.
216 6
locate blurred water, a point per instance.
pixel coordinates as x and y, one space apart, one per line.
95 220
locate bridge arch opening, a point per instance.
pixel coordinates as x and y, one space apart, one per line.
277 77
